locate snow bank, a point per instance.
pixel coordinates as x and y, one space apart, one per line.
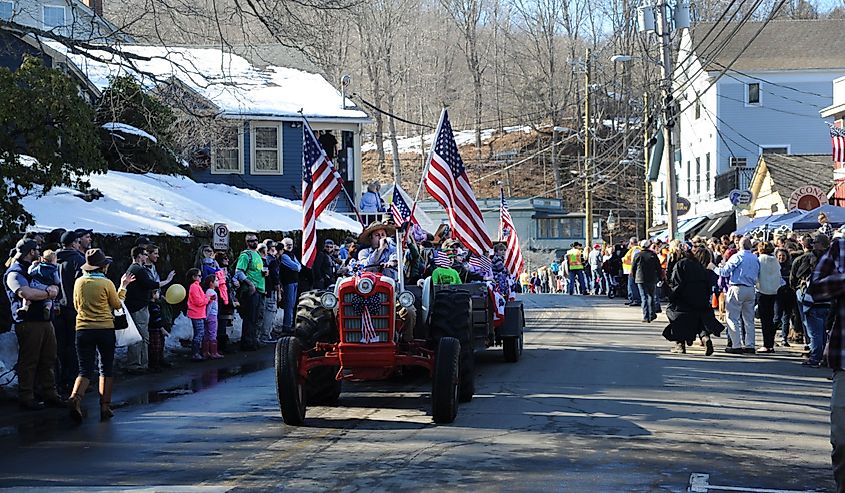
127 129
464 137
158 204
229 81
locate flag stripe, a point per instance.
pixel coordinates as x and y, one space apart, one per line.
514 261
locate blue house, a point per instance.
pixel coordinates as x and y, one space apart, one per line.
251 131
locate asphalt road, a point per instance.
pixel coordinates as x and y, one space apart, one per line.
597 403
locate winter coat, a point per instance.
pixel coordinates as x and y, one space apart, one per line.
197 301
769 280
646 268
689 312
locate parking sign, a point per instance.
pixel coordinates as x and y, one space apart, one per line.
220 237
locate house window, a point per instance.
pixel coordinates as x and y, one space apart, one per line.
689 179
6 10
697 108
226 155
698 175
560 227
54 17
738 162
266 154
707 173
752 93
774 150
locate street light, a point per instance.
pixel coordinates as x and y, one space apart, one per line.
611 225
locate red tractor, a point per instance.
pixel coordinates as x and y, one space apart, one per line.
352 334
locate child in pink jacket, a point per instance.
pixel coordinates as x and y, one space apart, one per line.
197 302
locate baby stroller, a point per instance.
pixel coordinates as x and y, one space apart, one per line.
615 286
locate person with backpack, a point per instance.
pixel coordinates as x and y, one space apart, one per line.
36 339
70 259
250 272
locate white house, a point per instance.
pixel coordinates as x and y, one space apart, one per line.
739 99
75 19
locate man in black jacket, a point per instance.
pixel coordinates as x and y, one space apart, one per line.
70 259
138 295
324 269
646 272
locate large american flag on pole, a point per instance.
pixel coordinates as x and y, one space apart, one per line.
447 181
399 209
837 138
514 262
320 185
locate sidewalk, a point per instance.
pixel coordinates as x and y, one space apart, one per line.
184 377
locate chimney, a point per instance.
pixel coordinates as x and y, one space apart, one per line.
95 5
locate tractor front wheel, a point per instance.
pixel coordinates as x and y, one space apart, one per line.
290 388
444 384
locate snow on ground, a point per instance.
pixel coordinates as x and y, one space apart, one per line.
127 129
229 81
158 204
463 137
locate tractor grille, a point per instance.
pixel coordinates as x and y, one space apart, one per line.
352 321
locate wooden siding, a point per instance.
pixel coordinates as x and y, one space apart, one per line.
287 185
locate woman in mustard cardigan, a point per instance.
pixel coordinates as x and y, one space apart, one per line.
95 299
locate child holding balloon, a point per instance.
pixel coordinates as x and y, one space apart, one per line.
198 300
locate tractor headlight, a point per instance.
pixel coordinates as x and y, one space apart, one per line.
365 286
329 301
406 299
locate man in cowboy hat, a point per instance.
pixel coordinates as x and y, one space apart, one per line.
381 257
377 258
36 339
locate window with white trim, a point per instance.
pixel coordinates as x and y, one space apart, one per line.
697 175
226 154
267 150
7 9
54 17
752 93
774 149
707 172
738 162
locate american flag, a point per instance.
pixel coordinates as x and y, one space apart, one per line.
441 259
514 262
481 264
399 208
320 184
446 180
837 138
364 306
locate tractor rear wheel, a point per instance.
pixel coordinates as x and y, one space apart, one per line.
315 323
290 389
444 383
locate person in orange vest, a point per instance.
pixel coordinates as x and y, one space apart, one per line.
627 262
575 266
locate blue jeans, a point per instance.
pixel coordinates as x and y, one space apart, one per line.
816 317
784 310
89 342
582 281
633 291
290 303
647 297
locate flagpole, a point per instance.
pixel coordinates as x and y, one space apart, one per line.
428 161
342 187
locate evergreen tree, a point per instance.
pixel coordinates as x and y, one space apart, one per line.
42 116
126 102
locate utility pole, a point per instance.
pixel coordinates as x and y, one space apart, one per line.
588 198
668 119
647 161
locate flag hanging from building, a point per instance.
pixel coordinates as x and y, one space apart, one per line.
399 209
447 181
320 185
837 138
514 262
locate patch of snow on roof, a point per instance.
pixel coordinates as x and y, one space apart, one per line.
463 137
158 204
127 129
227 80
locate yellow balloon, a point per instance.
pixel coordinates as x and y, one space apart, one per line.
175 294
